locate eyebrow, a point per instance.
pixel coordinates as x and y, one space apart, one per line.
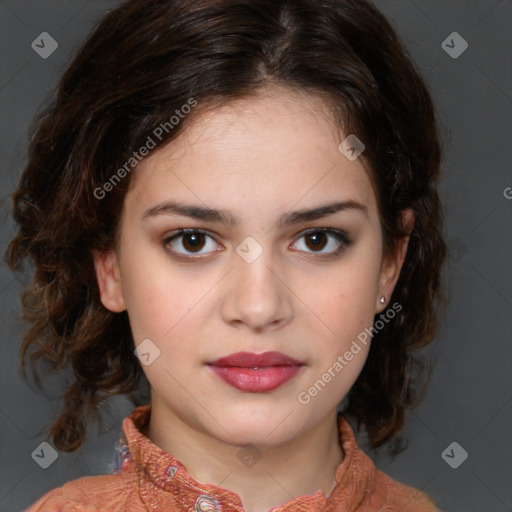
227 218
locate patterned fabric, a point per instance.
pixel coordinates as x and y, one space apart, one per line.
148 479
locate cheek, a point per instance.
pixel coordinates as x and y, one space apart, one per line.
162 310
155 300
167 304
349 293
346 305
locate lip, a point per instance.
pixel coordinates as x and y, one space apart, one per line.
256 373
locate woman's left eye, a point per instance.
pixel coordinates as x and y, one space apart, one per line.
316 240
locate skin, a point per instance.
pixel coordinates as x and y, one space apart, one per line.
258 159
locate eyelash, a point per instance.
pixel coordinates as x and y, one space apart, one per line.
340 236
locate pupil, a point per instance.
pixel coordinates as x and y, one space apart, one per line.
193 240
317 239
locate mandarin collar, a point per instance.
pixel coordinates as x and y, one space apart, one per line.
163 477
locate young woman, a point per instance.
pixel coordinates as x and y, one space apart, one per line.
235 202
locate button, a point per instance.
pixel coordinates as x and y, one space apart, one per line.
171 471
206 504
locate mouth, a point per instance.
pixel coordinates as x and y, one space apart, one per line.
256 373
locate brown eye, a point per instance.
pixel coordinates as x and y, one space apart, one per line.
316 240
193 241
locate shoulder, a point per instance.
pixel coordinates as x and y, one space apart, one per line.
372 488
52 501
399 496
93 494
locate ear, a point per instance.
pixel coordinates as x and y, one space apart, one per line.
109 281
392 264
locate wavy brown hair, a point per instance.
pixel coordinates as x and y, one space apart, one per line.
144 60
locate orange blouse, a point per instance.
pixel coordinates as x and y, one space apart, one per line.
149 479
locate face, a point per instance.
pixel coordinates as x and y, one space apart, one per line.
261 268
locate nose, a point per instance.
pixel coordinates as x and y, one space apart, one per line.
256 294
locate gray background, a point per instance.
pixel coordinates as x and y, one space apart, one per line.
469 399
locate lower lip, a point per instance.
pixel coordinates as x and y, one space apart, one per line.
256 381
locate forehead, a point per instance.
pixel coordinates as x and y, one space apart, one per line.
276 148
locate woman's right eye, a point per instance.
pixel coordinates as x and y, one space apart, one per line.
191 240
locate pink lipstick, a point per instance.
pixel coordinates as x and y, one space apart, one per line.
256 373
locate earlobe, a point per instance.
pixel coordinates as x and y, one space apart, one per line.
109 281
390 271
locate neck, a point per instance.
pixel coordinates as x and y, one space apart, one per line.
314 457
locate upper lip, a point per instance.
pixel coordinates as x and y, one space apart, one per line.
251 360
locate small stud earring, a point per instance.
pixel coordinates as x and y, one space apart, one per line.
383 300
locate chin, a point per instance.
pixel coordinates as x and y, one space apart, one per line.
264 429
